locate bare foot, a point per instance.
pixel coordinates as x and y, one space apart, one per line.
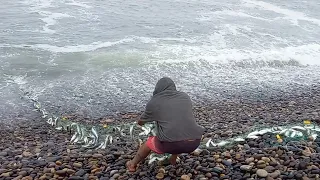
173 159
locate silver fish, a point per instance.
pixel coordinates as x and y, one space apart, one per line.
131 130
74 137
49 121
101 145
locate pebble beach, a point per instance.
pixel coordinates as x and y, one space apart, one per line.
35 150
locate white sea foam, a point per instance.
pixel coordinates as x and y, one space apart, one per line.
50 19
213 15
20 80
38 4
70 49
291 15
42 7
152 40
79 4
305 54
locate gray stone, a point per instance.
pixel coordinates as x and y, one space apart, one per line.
3 153
262 173
53 158
80 172
246 167
76 178
113 172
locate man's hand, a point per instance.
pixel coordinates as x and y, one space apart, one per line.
141 123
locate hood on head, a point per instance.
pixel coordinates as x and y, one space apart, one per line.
164 84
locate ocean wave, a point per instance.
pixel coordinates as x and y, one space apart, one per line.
213 15
98 45
69 49
50 19
305 54
291 15
79 4
38 4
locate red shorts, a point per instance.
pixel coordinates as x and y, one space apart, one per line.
178 147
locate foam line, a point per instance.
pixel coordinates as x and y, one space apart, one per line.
69 49
50 19
293 16
210 16
79 4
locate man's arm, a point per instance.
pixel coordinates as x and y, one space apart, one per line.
146 116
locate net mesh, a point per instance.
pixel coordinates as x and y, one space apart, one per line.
99 137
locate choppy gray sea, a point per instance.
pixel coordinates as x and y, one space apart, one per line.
100 57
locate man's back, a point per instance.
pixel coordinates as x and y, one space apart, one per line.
172 112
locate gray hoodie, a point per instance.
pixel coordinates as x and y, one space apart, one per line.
172 112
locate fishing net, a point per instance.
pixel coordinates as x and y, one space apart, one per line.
100 136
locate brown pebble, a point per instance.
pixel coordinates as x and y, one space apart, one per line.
227 155
7 174
249 160
95 177
185 177
58 163
161 170
160 176
238 156
43 177
71 171
18 177
77 165
208 175
95 170
27 178
275 174
265 159
61 172
269 178
23 173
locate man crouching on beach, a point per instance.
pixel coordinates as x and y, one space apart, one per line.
176 129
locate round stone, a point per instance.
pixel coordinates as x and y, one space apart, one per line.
262 173
185 177
160 176
246 167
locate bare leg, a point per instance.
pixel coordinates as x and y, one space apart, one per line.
142 153
173 159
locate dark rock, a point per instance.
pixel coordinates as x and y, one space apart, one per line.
270 169
315 171
211 159
76 178
217 170
298 175
40 163
23 173
302 165
53 159
80 172
227 163
61 172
